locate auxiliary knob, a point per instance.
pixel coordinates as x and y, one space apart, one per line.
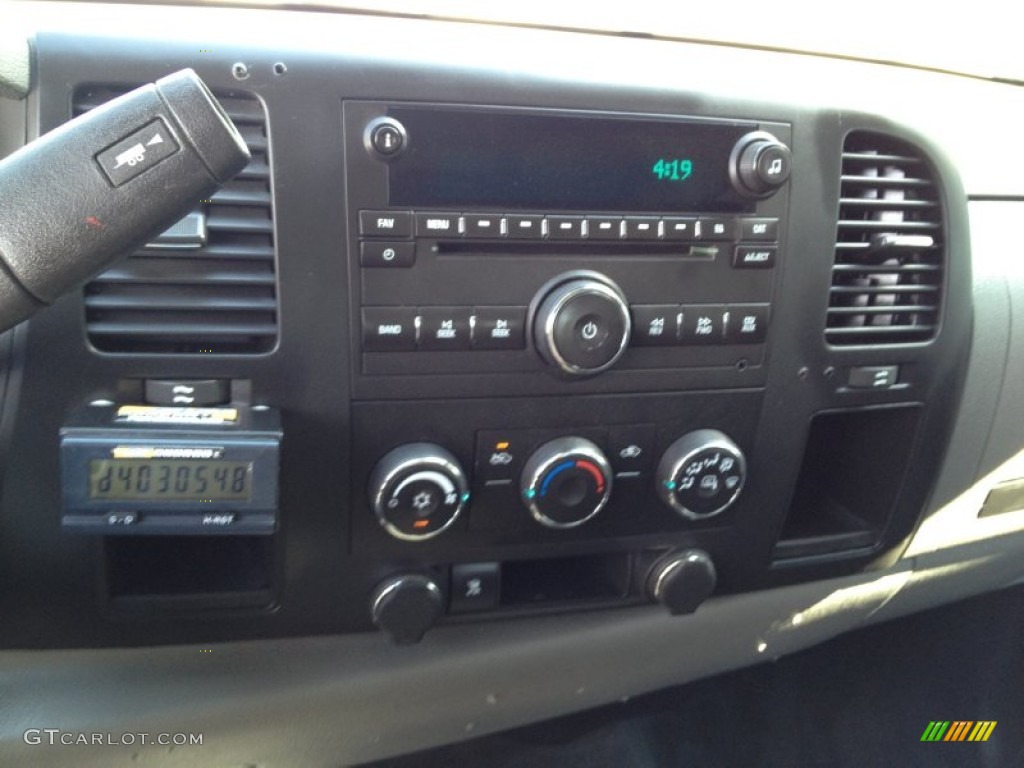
682 581
581 324
759 164
566 482
417 491
701 474
406 607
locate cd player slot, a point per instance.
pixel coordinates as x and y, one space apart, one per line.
589 249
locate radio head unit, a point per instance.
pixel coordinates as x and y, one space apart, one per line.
471 226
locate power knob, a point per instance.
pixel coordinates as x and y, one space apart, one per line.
581 323
566 482
759 165
701 474
417 491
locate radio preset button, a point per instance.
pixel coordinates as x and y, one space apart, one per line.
499 328
438 225
703 324
748 323
484 225
389 329
754 256
385 223
444 328
655 325
683 229
717 229
381 253
525 227
604 227
642 228
565 227
759 230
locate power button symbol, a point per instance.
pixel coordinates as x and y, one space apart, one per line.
591 332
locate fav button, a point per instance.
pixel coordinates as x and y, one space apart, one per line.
385 223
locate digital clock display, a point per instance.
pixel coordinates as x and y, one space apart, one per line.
158 480
508 160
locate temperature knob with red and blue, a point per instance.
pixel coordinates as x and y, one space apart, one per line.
566 482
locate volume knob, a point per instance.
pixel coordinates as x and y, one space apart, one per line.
582 324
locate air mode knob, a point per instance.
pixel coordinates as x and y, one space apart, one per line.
581 324
759 164
566 482
417 491
701 474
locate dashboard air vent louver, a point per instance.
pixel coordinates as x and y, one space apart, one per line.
888 272
208 284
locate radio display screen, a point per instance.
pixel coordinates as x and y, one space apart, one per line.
170 480
513 161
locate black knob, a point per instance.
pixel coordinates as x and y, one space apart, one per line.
385 138
581 324
417 491
566 482
759 164
406 607
701 474
682 581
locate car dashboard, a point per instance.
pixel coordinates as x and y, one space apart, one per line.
521 370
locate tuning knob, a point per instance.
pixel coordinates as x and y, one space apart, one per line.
566 482
581 324
417 491
701 474
682 581
406 607
759 164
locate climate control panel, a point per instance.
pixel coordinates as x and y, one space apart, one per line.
418 490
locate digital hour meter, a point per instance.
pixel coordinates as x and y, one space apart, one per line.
148 470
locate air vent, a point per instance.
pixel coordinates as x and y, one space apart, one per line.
208 284
888 273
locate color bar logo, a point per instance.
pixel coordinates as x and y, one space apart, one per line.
958 730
